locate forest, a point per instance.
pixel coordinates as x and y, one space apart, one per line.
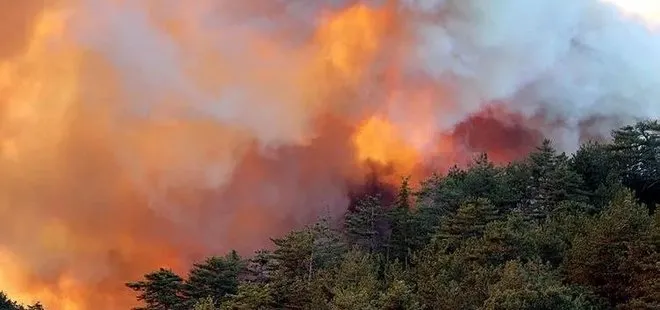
548 231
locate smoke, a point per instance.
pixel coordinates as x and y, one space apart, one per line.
568 61
138 134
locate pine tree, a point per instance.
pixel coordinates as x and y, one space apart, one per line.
533 286
205 304
356 285
366 225
215 278
469 221
36 306
597 168
251 296
160 290
445 194
297 259
403 240
504 240
258 267
552 181
484 180
637 150
8 304
448 281
327 245
615 255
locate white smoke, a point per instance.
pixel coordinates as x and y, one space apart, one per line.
569 60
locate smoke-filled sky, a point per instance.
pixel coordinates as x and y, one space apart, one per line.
146 133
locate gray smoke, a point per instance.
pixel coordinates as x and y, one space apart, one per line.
568 60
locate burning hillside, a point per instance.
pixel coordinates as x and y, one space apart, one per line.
135 134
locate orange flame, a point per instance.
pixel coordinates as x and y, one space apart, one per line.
350 39
379 140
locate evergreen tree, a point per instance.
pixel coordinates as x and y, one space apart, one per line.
160 290
205 304
258 267
517 177
616 254
534 286
403 237
637 151
366 226
298 257
36 306
251 296
554 238
469 221
449 281
504 240
328 245
356 284
214 278
552 181
484 180
398 293
596 166
8 304
442 195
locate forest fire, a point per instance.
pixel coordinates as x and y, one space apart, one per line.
139 134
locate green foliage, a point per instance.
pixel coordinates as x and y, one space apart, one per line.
299 258
505 240
205 304
597 167
617 253
356 283
533 286
214 278
404 238
445 280
251 296
160 290
544 232
259 267
469 221
551 182
636 149
365 226
482 179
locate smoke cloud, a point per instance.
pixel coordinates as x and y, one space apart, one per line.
147 133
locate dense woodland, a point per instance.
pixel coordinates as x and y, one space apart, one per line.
549 231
